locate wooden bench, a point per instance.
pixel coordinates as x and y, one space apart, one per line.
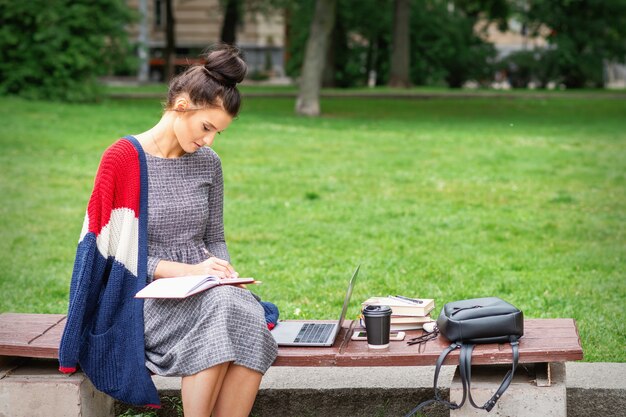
545 341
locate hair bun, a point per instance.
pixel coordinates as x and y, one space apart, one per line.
225 65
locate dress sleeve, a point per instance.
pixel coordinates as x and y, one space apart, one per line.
152 264
214 233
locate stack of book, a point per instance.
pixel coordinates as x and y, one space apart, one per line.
406 313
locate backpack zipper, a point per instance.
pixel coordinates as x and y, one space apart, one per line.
457 309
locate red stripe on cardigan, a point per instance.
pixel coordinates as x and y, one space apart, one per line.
119 171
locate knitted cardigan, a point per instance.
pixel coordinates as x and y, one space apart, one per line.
104 331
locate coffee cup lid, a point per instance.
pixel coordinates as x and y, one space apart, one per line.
382 310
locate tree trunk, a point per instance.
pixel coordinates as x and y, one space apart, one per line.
170 41
287 44
231 20
328 74
381 62
399 72
308 102
369 62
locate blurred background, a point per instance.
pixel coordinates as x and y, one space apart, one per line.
49 47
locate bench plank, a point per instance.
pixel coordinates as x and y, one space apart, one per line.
561 344
545 340
31 335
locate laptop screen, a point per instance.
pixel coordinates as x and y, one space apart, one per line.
346 300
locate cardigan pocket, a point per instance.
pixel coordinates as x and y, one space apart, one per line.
100 361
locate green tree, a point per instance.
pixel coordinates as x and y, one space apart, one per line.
446 47
352 55
583 34
360 40
56 49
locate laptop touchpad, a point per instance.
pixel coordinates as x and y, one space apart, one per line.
286 332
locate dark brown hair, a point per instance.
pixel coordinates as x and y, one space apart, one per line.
214 83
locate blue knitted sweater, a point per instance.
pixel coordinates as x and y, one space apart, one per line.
104 330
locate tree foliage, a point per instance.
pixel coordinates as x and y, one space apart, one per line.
358 27
55 49
444 45
583 34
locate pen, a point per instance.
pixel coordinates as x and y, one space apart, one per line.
410 300
400 299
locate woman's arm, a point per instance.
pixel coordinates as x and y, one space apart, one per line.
217 252
214 233
212 266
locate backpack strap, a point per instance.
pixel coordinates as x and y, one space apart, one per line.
465 366
438 399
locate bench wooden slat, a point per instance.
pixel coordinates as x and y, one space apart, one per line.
31 335
561 344
26 319
22 338
21 328
545 340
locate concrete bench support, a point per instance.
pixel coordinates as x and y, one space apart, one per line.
35 388
537 390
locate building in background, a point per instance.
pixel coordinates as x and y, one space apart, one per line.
514 39
198 24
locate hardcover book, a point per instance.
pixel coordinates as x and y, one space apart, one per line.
403 306
410 319
406 326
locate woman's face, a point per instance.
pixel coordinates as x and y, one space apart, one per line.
196 127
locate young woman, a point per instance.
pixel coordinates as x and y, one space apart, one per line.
218 340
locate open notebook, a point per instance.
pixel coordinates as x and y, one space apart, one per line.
181 287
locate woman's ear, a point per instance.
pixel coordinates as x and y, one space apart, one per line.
181 104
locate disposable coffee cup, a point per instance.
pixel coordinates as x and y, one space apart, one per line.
377 326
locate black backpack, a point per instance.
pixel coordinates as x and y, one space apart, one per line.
466 323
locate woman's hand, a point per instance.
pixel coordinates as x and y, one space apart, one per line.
215 266
211 266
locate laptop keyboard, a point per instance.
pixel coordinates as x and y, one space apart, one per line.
314 333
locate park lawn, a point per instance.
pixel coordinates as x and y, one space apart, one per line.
449 199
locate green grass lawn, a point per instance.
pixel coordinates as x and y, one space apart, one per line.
449 199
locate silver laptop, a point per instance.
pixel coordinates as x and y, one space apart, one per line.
313 334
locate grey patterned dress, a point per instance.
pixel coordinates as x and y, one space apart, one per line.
185 224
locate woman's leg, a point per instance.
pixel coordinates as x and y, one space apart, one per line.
238 392
200 391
